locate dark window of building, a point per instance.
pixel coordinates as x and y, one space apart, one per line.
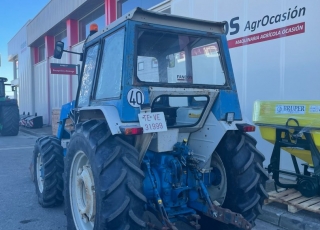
16 67
2 90
42 52
111 66
16 75
124 6
98 16
62 37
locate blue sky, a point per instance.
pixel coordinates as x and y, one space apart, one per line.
13 15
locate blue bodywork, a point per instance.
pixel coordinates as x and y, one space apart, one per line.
173 177
64 115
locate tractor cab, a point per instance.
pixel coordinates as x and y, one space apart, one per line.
161 63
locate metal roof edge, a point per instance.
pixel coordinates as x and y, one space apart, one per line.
149 16
138 14
47 5
16 34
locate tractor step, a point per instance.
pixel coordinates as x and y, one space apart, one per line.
294 200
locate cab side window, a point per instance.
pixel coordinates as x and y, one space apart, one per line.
109 82
88 75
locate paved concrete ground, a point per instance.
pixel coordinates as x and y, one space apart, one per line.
277 214
20 210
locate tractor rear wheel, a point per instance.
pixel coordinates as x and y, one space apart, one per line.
48 170
103 181
9 118
245 178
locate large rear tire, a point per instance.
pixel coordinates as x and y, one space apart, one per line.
245 178
48 170
9 118
103 181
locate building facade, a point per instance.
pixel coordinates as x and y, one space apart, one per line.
273 46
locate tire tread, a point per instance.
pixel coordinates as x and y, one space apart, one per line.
114 164
9 119
52 159
245 176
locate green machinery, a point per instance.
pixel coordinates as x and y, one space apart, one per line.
9 112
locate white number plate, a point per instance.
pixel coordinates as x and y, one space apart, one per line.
152 122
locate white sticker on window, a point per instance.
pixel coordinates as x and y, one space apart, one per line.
290 109
135 97
314 109
181 78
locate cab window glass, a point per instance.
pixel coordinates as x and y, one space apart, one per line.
88 74
179 58
109 83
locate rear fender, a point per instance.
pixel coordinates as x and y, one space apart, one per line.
108 113
64 115
205 141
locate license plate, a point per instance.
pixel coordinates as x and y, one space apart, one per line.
152 122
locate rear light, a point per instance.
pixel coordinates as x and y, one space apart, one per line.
131 130
246 127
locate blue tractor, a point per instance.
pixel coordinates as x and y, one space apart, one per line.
157 129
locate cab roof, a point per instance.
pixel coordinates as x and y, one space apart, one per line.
152 17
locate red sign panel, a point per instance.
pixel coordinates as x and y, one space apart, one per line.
66 69
268 35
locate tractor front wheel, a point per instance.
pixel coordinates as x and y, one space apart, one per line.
47 171
103 181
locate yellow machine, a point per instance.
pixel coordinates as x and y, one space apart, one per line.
293 126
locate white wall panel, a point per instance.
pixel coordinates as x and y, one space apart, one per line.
41 91
59 85
286 68
18 49
63 88
25 83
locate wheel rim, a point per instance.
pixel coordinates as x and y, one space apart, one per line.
82 192
218 189
39 173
